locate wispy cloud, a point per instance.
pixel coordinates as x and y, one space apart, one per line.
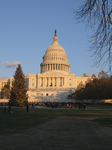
9 64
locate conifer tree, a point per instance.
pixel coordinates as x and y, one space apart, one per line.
19 91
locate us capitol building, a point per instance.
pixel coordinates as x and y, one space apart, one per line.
54 80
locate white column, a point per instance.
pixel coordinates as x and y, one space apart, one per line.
57 82
43 82
53 82
50 66
38 82
47 67
43 67
48 82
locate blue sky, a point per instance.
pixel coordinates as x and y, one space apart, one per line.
27 29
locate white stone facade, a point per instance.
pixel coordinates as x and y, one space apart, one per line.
54 78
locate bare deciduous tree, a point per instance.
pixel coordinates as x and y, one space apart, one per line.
98 15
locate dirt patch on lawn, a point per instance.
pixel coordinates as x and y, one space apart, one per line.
61 133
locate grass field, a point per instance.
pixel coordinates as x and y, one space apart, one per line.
56 129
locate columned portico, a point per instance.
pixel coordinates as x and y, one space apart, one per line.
54 82
54 67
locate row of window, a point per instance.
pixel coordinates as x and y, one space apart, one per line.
55 58
51 84
56 50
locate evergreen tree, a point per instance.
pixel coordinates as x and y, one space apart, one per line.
19 91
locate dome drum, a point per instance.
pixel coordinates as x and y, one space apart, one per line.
55 67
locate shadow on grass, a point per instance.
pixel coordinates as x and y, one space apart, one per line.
11 123
104 121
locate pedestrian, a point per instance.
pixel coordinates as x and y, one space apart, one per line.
4 107
9 106
32 105
79 106
27 107
17 109
84 106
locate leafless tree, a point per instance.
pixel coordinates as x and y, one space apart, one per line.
98 15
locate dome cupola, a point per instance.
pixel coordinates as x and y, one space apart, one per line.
55 58
55 47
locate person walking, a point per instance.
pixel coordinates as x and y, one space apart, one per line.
4 107
27 107
9 106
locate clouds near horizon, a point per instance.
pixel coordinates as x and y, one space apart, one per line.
10 64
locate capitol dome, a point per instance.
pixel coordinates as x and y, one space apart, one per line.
55 58
55 47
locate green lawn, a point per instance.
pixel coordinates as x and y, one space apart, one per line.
17 122
99 106
55 129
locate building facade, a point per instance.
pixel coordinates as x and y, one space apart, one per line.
54 79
